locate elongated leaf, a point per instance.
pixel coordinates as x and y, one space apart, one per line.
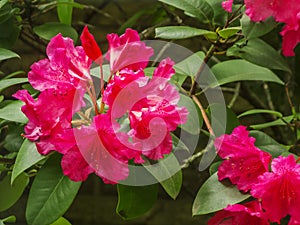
180 32
51 194
199 9
220 15
188 67
10 219
239 70
3 2
12 81
168 172
27 157
12 112
9 33
61 221
214 196
7 54
49 30
256 29
228 32
266 143
279 122
195 119
259 52
64 11
256 111
9 194
134 201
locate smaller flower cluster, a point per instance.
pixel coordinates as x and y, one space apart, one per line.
277 191
98 144
283 11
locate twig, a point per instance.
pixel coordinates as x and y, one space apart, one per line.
204 115
235 95
268 95
209 54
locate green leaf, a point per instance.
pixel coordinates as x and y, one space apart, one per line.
27 157
224 118
9 33
194 120
3 2
61 221
7 54
9 194
256 111
220 15
256 29
168 168
187 67
10 82
279 122
51 193
12 112
49 30
228 32
134 201
259 52
199 9
214 167
240 70
214 196
13 139
64 11
10 219
266 143
180 32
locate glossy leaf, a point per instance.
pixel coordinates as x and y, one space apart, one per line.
256 111
10 219
220 15
49 30
12 112
12 81
259 52
27 157
195 120
199 9
9 194
214 167
180 32
7 54
134 201
9 33
240 70
256 29
266 143
13 139
3 2
214 196
187 67
64 11
168 168
61 221
51 193
279 122
228 32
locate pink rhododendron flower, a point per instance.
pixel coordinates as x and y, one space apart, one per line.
243 162
90 46
287 12
48 117
227 5
294 222
248 214
75 166
127 51
279 190
65 69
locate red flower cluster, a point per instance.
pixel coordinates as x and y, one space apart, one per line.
245 165
284 11
98 144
